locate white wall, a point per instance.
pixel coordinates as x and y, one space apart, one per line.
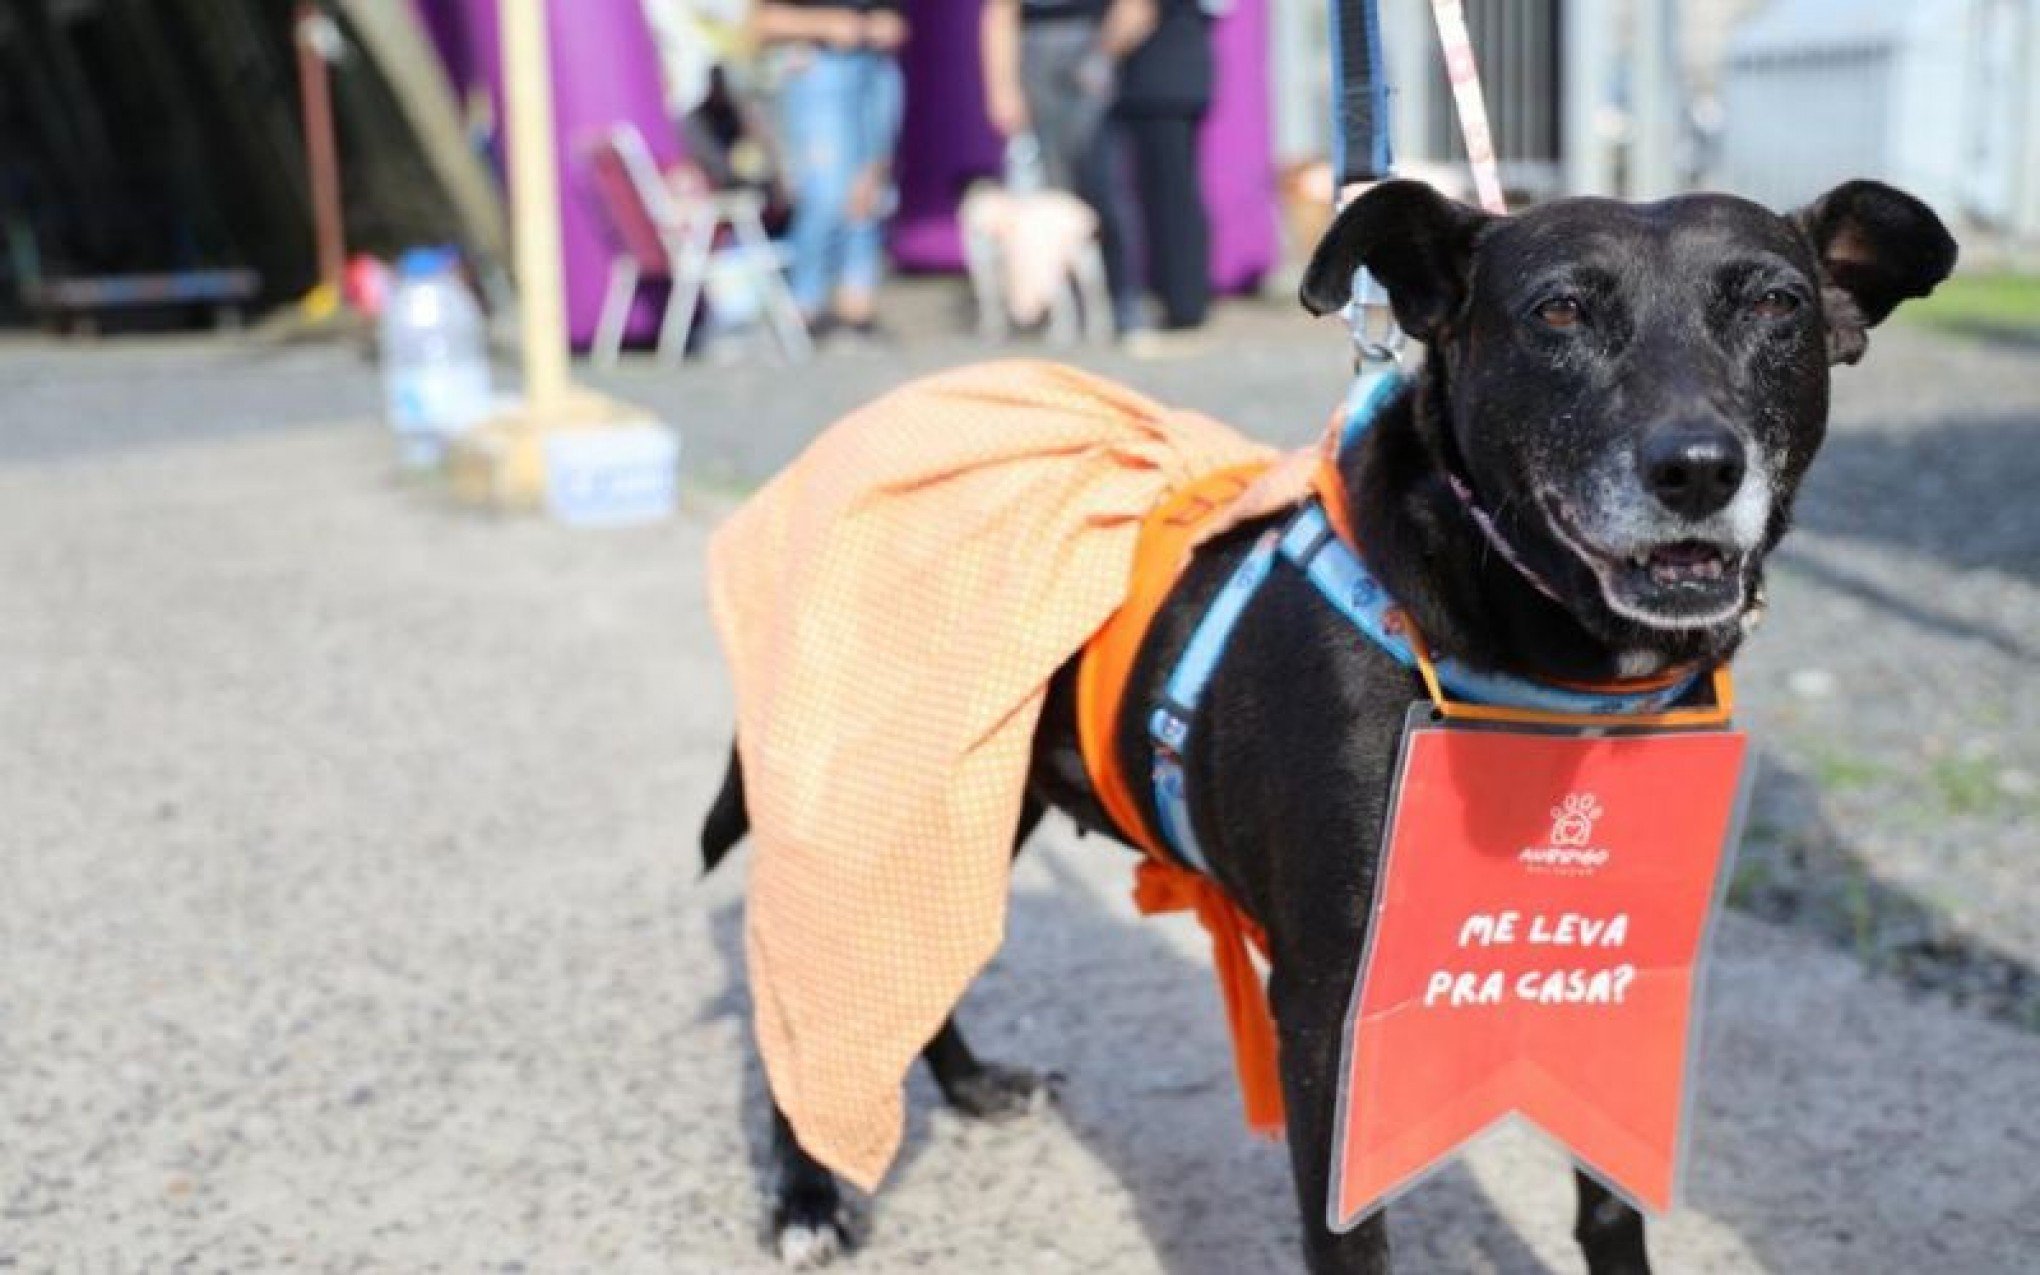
1795 127
1941 102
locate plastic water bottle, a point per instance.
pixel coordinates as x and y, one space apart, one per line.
1026 171
435 357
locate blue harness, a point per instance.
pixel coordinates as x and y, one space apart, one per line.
1308 544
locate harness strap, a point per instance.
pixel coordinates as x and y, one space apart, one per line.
1169 726
1468 691
1365 399
1159 556
1166 883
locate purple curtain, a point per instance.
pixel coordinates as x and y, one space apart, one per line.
605 70
945 140
1238 152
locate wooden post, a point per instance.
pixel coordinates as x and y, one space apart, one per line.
535 204
502 464
322 159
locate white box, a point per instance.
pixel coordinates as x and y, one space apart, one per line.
612 475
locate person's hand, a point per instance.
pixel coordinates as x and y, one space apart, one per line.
884 30
1008 108
842 28
1096 76
867 193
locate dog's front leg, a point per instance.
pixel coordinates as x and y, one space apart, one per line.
1310 1014
1609 1231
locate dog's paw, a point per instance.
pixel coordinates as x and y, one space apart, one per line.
808 1234
995 1091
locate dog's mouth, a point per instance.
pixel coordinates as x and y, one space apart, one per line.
1673 584
1683 563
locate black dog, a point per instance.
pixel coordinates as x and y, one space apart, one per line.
1633 393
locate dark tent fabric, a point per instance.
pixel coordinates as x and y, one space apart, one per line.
148 136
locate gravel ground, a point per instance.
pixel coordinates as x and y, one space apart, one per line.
1897 686
354 922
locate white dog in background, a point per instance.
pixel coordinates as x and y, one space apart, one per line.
1032 253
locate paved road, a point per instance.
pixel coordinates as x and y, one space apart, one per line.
353 924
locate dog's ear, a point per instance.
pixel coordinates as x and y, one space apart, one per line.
1876 247
1416 242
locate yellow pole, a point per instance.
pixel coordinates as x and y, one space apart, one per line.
535 205
502 464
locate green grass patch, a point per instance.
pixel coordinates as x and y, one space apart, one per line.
1752 876
1837 770
1967 786
2002 306
722 484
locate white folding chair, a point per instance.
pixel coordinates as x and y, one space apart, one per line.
664 234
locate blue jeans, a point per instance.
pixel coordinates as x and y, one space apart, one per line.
839 119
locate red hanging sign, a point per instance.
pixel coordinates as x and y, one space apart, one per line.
1540 913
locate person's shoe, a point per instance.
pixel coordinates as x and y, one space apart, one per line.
861 334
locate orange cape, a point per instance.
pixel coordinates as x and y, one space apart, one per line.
892 606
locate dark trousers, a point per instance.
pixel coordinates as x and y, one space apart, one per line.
1162 148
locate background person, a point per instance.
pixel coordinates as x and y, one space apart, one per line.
694 39
1050 71
724 136
1164 94
840 98
701 51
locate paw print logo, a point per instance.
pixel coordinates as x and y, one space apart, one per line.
1572 820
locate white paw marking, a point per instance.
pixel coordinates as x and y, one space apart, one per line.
1638 663
803 1248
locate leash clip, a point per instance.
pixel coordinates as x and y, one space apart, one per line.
1376 337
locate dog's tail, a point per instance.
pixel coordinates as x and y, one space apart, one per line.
727 820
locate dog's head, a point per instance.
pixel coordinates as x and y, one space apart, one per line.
1634 391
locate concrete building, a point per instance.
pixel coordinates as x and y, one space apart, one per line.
1941 97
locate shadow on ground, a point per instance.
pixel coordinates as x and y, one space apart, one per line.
1136 1028
1795 868
1137 1032
1959 490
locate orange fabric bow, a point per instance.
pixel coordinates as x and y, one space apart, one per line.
1163 887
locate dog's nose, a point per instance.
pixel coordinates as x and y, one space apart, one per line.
1693 469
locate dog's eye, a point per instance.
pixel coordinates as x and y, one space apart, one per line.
1560 312
1775 304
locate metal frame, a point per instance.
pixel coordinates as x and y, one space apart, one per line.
687 232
